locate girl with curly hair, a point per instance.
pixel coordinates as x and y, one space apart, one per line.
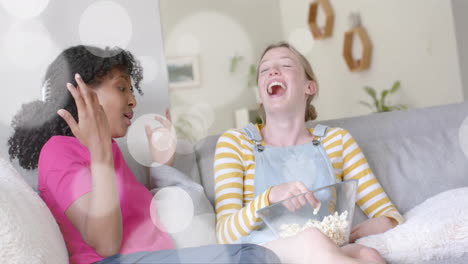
102 210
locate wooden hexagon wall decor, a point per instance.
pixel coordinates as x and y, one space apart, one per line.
317 31
357 64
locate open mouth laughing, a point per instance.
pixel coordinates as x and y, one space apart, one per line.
276 88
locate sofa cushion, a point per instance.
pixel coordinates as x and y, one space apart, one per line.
205 151
28 231
414 154
435 229
29 175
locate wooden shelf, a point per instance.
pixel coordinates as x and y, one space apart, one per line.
326 31
357 64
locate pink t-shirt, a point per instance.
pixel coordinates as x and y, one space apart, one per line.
64 176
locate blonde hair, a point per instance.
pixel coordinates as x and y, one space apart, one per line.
310 112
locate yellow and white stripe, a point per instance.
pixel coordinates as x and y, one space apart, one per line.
234 168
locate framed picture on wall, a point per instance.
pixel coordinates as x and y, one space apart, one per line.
183 72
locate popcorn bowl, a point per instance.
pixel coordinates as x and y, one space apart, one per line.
330 209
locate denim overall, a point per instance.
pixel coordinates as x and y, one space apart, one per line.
308 163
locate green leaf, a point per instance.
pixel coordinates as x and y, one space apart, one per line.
366 104
380 103
370 91
386 109
401 107
383 95
398 107
253 70
252 77
234 62
395 87
378 106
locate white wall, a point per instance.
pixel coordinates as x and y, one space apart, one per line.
29 45
215 31
413 41
460 11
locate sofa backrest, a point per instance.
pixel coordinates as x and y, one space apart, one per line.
415 154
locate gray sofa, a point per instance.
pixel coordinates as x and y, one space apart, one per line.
414 154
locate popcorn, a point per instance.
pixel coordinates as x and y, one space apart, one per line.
316 209
334 226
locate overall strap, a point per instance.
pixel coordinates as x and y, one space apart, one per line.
319 132
254 135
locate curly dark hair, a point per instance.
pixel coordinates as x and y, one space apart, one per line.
38 121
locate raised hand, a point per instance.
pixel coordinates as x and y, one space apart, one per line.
162 141
92 128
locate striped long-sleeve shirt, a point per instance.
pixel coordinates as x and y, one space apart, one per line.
234 168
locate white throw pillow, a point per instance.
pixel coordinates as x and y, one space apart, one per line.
435 229
28 231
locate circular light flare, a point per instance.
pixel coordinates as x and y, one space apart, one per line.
24 9
28 45
105 24
172 209
138 143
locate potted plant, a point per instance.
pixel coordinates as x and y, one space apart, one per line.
379 104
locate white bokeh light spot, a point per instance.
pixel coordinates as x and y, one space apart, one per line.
24 9
162 139
205 115
199 232
137 140
197 34
463 136
192 125
301 38
105 24
172 209
188 44
150 68
28 45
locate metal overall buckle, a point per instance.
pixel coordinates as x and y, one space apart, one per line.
259 145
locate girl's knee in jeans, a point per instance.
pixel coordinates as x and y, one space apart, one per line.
252 253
